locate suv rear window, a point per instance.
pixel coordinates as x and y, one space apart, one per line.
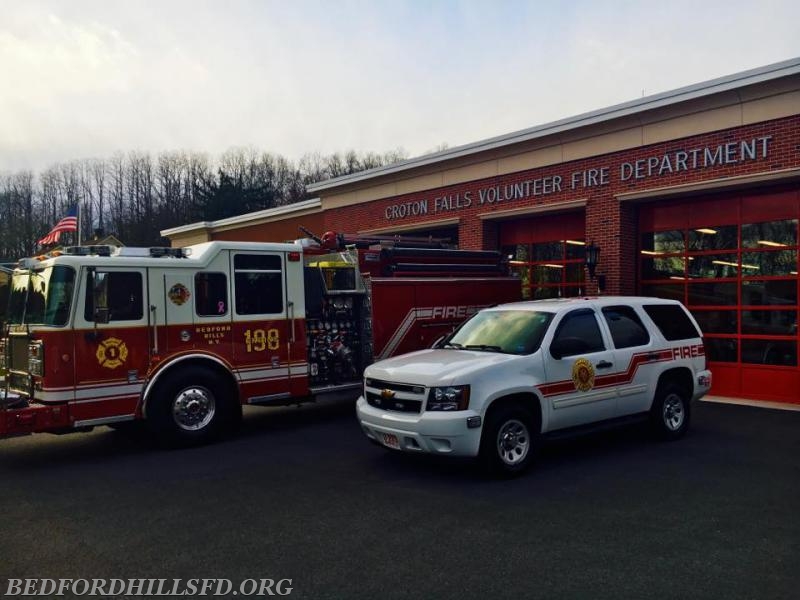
673 321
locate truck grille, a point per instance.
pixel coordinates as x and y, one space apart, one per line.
18 368
397 397
18 353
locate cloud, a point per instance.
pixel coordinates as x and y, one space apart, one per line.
87 78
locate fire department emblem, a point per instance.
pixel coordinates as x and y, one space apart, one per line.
178 294
583 375
111 353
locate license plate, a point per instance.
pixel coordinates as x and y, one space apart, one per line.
390 440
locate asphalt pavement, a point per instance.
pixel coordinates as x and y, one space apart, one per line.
300 494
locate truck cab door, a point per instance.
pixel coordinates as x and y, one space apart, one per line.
260 328
112 342
578 361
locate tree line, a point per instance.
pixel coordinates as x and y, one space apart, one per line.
135 195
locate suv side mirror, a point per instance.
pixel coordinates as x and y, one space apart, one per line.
568 346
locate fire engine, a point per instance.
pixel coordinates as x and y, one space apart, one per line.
181 338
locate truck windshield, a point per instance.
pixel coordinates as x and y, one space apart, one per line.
41 297
508 331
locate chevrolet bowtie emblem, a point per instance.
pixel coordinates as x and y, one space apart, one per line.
387 394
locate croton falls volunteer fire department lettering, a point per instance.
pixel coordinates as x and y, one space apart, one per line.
583 375
661 165
112 353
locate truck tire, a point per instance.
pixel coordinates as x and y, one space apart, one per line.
189 407
671 411
509 441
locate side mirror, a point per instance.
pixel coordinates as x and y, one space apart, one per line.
98 283
101 315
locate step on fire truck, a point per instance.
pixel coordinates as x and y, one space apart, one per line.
183 337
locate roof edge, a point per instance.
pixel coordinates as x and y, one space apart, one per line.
246 218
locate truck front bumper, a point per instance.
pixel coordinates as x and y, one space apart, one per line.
443 433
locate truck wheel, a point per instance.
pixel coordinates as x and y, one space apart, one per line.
188 408
670 413
509 441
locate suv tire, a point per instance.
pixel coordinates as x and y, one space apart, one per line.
671 411
509 441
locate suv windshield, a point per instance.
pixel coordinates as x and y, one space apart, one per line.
41 297
508 331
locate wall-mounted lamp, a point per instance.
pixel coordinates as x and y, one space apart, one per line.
592 258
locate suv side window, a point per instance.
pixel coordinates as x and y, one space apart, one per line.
626 327
672 321
578 333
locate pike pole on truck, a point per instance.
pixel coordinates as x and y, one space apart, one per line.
181 338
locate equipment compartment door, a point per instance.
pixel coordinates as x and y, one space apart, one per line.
178 301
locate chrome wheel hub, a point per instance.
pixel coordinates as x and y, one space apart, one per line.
513 442
673 412
193 408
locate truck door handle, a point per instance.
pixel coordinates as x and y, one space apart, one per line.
604 364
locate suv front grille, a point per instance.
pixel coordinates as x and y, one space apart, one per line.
400 405
399 397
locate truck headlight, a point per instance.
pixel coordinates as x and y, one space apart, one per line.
36 358
454 397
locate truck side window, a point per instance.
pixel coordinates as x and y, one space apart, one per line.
626 327
578 333
210 294
124 297
258 283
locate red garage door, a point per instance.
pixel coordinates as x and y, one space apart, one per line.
547 254
733 260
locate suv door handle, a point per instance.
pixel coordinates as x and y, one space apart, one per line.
604 364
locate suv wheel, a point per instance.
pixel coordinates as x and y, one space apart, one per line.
670 414
509 441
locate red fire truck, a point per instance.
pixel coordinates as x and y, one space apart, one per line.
183 337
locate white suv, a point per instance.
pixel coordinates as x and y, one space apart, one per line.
516 372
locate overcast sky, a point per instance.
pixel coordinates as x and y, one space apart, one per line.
83 79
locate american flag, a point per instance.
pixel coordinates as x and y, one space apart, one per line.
68 223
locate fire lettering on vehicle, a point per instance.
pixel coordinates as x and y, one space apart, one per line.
453 312
112 353
688 352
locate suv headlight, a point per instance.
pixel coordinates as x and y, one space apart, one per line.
453 397
36 358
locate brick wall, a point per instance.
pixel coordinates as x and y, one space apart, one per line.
610 224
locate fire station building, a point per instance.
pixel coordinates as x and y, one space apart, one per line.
693 194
